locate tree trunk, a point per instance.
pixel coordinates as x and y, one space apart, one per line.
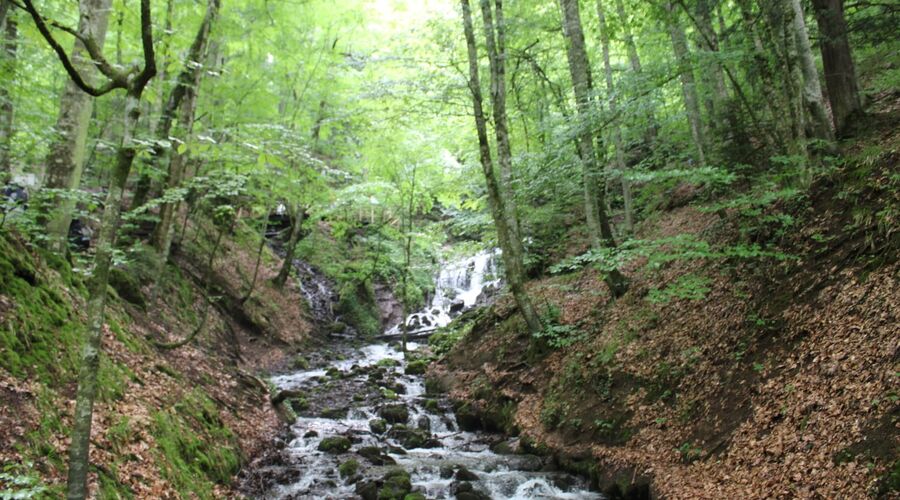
594 203
819 126
288 264
496 48
635 61
65 161
840 73
97 288
688 84
613 109
185 86
511 247
7 110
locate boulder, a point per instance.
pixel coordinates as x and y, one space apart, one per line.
367 490
378 426
416 367
464 474
395 414
396 485
334 444
376 456
348 468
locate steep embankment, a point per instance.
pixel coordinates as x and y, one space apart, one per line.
718 376
169 423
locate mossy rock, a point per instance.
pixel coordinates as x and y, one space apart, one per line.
335 444
397 484
414 496
378 425
416 367
432 406
127 286
335 413
348 468
300 363
376 456
395 414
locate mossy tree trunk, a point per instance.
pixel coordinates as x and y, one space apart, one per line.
840 72
9 48
65 160
296 231
592 175
513 251
133 82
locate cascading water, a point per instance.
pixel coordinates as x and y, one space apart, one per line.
376 405
457 288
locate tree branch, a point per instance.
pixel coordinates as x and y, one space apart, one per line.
149 70
64 58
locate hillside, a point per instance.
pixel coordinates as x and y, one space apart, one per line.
717 376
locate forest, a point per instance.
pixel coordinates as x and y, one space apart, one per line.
471 249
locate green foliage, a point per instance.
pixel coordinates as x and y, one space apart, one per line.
20 481
554 334
195 448
687 287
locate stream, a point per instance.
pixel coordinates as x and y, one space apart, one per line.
365 402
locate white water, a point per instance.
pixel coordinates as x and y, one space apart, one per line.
504 477
457 288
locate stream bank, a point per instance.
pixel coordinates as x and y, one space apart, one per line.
366 424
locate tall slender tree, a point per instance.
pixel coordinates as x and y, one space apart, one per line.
133 82
819 126
592 172
65 161
616 128
513 251
840 72
8 54
688 82
495 41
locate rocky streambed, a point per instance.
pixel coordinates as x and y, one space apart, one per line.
366 427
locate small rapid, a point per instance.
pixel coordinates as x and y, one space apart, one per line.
363 413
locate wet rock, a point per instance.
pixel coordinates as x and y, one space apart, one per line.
432 406
508 447
416 367
464 474
335 444
467 418
311 434
395 414
334 373
457 306
446 471
376 456
367 490
423 423
396 485
399 388
298 404
465 491
378 425
348 468
335 413
412 438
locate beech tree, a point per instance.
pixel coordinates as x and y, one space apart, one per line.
510 244
840 72
132 82
592 172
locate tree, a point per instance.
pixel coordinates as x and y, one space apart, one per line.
840 73
9 46
613 109
594 204
688 83
297 216
65 161
812 89
495 41
511 247
133 82
186 90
